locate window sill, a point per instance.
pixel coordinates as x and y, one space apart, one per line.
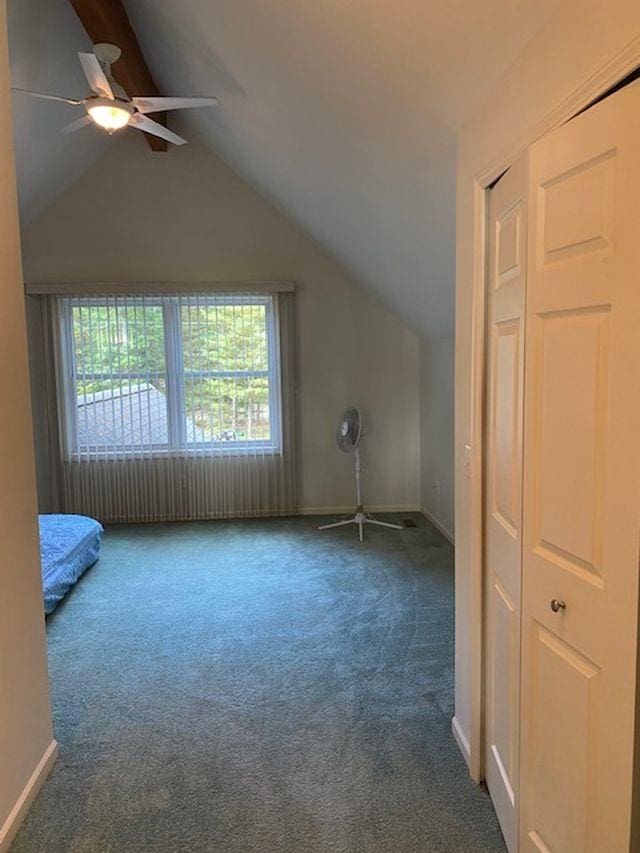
187 455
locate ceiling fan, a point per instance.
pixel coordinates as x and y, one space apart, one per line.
109 106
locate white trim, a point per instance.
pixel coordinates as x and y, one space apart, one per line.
346 510
274 372
612 72
440 527
616 69
475 737
174 372
299 512
29 792
460 738
100 288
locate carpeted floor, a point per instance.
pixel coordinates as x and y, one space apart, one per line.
258 687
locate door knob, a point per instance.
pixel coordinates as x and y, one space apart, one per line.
556 605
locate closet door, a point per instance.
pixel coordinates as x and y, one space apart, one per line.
582 482
507 231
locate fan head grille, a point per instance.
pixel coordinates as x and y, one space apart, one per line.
349 430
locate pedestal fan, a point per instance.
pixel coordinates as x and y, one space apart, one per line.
348 437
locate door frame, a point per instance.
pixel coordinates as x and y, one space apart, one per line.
594 87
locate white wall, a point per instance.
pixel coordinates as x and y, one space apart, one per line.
25 717
437 358
185 216
559 66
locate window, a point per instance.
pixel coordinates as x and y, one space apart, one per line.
171 373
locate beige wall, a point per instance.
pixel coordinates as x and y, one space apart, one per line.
25 718
557 73
185 216
436 431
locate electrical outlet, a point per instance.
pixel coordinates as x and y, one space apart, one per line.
435 487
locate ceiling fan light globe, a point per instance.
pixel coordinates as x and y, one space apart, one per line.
110 115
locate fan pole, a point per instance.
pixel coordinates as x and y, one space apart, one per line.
359 512
358 467
360 518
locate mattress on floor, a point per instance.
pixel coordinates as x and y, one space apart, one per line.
69 544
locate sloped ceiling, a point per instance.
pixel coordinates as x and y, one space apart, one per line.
44 38
343 114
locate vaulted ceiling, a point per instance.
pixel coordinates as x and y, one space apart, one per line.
343 114
44 37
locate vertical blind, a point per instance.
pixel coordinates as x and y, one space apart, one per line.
174 406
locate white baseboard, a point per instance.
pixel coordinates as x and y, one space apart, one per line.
17 814
461 739
345 510
276 513
446 533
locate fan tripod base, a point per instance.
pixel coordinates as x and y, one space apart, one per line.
360 518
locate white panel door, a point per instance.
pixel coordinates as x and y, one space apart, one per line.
581 505
507 229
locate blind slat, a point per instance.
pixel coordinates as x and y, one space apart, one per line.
174 405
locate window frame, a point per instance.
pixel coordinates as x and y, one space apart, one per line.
174 375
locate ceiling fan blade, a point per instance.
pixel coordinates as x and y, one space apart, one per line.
156 105
77 124
96 77
149 126
46 97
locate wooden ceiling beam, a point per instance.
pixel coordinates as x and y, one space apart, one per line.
107 21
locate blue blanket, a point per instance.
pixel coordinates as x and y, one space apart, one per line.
69 544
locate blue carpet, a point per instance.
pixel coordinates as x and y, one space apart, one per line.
258 687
